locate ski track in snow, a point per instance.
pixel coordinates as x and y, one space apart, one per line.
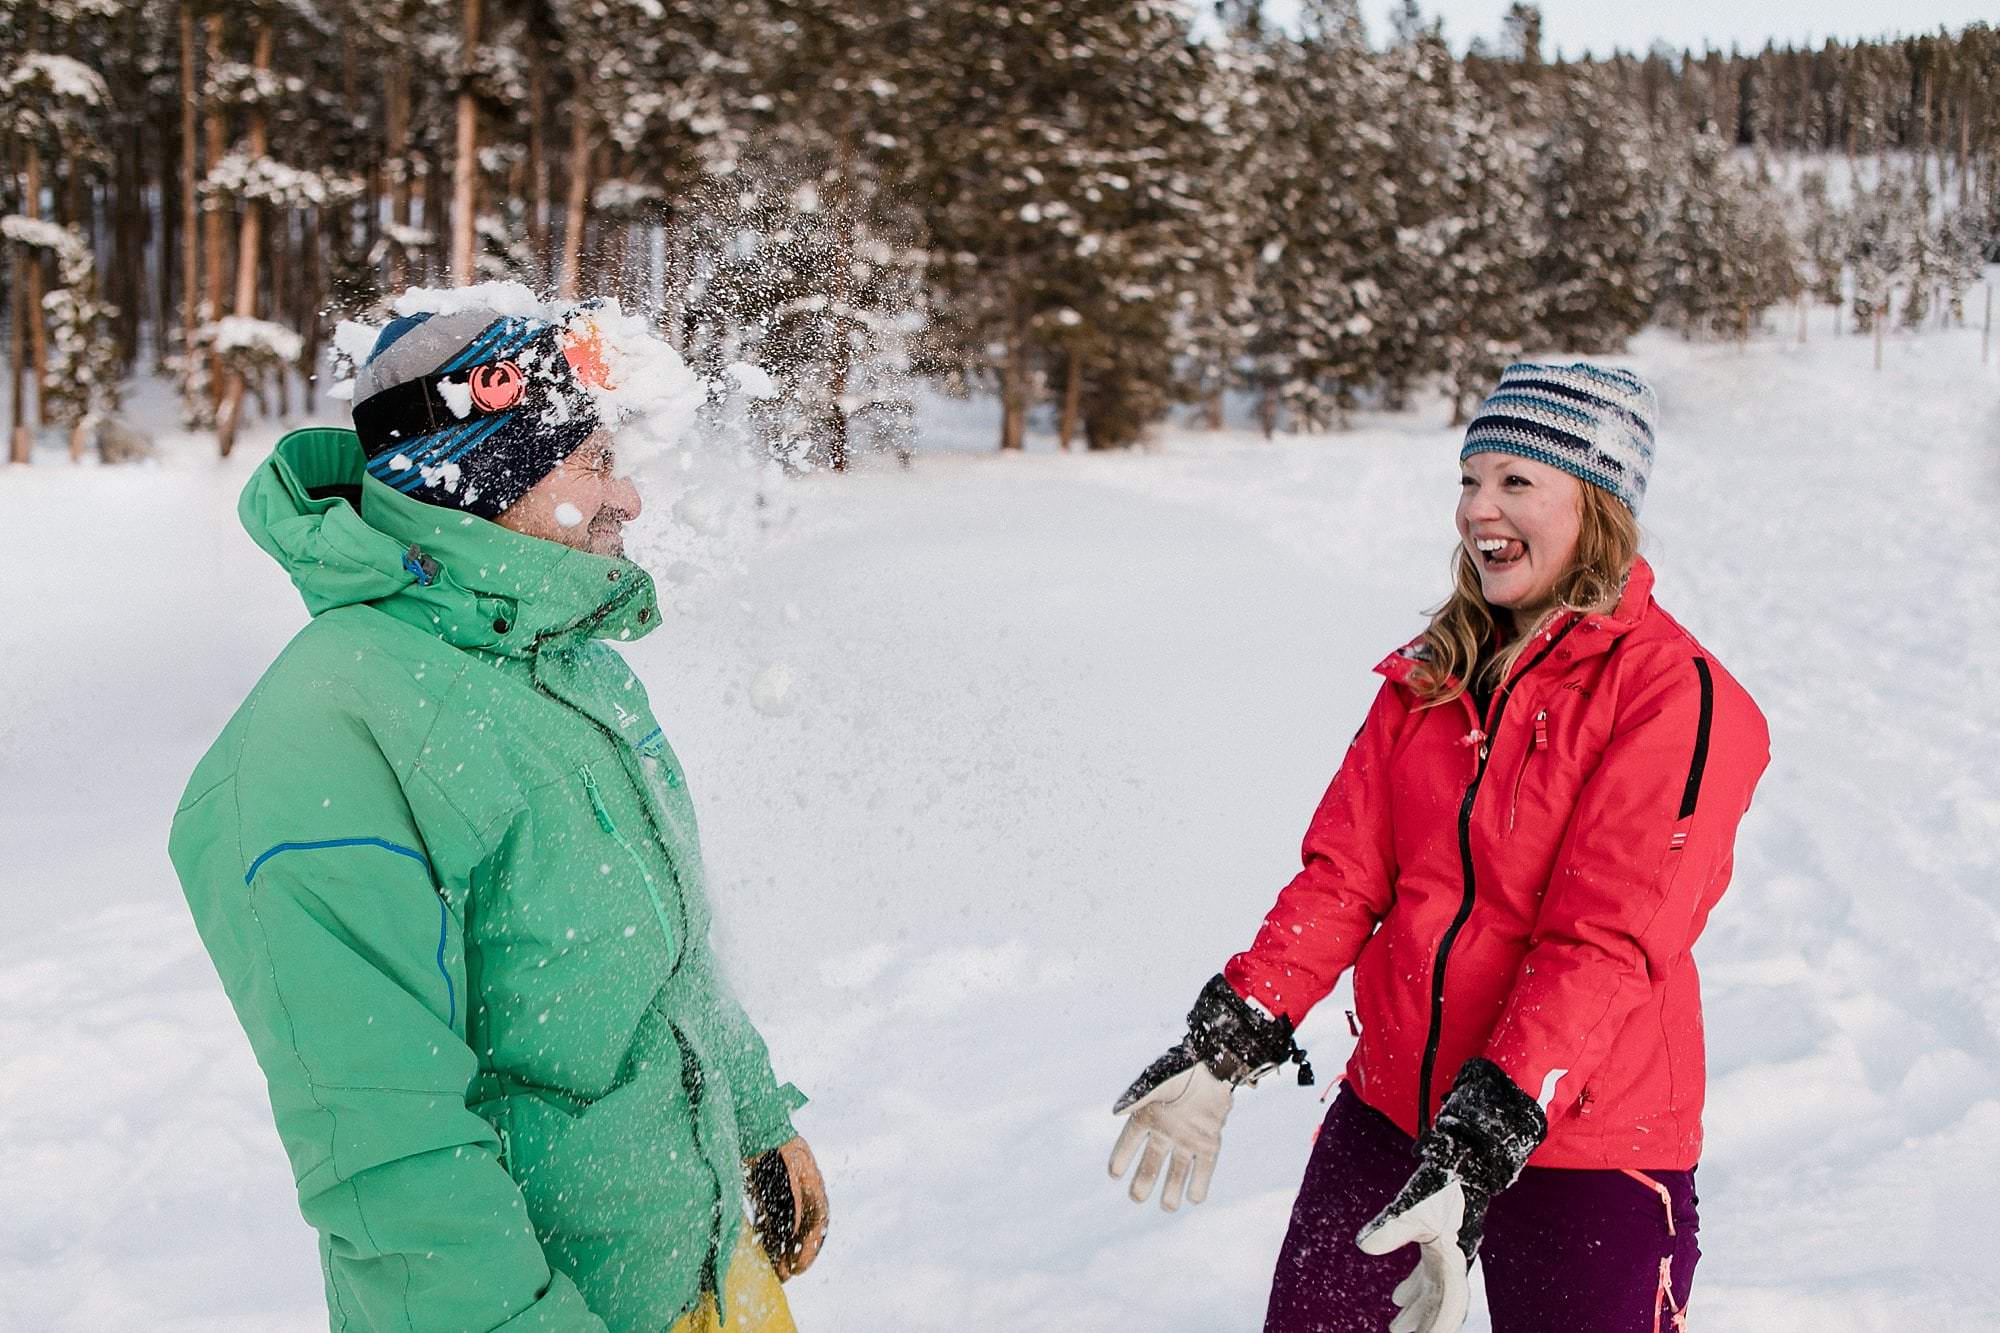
1051 729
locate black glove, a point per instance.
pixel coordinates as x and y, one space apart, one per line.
1475 1148
1238 1041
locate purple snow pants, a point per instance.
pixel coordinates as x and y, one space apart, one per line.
1565 1251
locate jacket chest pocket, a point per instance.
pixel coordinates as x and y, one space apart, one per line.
1535 759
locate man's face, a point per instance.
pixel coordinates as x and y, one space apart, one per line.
583 504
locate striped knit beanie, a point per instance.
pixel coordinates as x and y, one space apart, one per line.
1593 422
468 409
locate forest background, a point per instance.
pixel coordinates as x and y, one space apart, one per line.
1095 209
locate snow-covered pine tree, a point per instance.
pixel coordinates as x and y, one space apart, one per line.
1149 207
1599 204
1323 216
1962 244
818 279
649 103
1724 252
85 371
1883 224
1057 134
1212 327
1458 284
51 108
1821 226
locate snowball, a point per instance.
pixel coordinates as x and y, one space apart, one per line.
752 381
568 514
770 693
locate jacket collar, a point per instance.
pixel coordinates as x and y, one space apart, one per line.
471 582
1588 635
479 585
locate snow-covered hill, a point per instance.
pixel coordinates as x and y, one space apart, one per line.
998 759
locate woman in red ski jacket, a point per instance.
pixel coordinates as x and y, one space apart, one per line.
1516 856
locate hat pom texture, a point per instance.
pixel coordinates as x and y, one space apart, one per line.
1594 422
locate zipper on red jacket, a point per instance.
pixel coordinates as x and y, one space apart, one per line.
1491 726
1692 792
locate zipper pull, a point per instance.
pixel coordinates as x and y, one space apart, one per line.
597 803
1542 730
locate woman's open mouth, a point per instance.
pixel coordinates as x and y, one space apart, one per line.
1497 553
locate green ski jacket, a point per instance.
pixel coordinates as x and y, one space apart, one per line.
447 868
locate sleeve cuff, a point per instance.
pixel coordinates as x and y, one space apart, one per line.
770 1126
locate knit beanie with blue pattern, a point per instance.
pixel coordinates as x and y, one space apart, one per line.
1594 422
469 409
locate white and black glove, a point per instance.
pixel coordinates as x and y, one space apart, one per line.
1475 1148
1175 1109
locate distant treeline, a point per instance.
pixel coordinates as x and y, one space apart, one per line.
1098 208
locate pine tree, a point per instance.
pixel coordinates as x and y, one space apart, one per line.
1324 219
51 106
1883 223
1057 132
1599 204
1725 254
1822 231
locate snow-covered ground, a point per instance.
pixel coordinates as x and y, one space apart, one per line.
998 759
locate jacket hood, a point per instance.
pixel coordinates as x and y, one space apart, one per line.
344 538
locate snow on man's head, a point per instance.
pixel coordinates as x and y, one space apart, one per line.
469 396
636 383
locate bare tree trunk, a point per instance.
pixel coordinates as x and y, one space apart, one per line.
420 207
312 238
126 281
163 234
279 245
249 240
396 122
190 266
576 212
465 166
38 333
538 159
20 447
215 240
1072 397
1014 370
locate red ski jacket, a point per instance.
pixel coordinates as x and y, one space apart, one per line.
1526 886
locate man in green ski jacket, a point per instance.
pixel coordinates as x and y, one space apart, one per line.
447 868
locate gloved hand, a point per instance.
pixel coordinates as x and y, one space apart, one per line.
1177 1106
1475 1148
1176 1110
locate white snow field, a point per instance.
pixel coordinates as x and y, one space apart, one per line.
998 759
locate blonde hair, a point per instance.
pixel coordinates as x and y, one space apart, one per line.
1459 639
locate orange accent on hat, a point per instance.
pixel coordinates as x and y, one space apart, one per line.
583 348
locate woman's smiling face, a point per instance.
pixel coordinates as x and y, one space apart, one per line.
1518 519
